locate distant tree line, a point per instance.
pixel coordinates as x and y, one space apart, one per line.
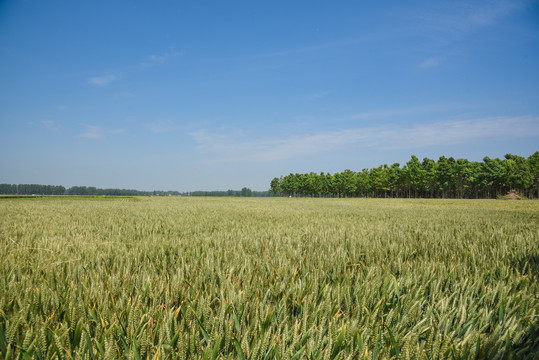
445 178
244 192
36 189
31 189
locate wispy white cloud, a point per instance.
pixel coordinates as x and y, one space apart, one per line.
313 48
315 95
156 59
454 132
446 24
227 147
164 56
150 61
96 132
431 62
364 115
410 111
163 126
50 125
103 80
463 16
491 12
92 132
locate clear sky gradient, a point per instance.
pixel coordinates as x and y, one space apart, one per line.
217 95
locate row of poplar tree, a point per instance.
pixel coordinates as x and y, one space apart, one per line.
445 178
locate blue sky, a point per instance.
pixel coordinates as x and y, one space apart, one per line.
217 95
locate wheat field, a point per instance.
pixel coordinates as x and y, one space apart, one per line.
270 278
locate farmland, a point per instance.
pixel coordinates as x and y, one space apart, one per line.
274 278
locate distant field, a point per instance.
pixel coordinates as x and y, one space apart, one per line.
268 278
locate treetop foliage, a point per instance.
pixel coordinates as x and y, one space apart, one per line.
445 178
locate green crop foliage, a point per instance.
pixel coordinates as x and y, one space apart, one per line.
272 278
